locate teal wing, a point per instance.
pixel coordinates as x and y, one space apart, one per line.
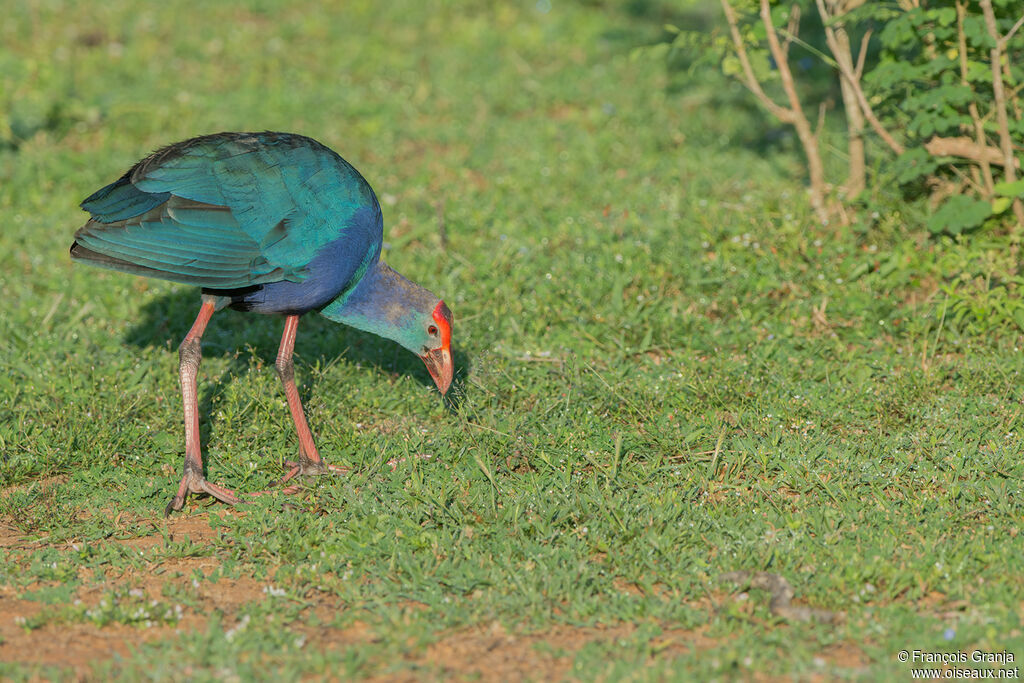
227 211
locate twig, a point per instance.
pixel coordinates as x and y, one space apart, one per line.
862 55
999 92
713 467
793 28
823 56
1006 39
750 80
966 148
963 177
857 178
972 108
822 107
847 71
815 169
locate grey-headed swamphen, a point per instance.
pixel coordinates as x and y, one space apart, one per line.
269 223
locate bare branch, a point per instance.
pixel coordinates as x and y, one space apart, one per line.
862 55
841 7
1013 102
750 80
847 71
984 160
1016 91
1006 39
792 29
966 148
856 179
781 64
998 92
966 181
815 169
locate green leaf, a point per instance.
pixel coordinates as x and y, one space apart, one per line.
913 164
976 33
1008 189
731 66
959 213
945 16
763 66
1000 204
655 52
978 72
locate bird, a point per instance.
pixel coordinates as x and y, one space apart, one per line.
264 222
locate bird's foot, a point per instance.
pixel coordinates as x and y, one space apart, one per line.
306 467
194 482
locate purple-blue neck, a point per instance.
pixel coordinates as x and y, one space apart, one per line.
385 303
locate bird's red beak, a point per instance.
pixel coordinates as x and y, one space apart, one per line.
439 360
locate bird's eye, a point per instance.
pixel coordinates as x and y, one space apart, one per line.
432 331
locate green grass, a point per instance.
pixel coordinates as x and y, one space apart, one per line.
666 370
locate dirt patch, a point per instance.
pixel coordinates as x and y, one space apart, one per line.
486 652
490 653
77 646
196 528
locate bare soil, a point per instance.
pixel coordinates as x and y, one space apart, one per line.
487 652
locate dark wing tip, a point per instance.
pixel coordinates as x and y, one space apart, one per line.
103 193
87 255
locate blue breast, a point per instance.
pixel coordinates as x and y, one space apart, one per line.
331 272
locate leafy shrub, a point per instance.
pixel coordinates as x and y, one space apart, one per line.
916 76
934 81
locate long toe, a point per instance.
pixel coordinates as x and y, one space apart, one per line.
192 482
176 503
221 493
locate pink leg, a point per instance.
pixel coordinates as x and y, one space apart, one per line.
192 480
309 459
